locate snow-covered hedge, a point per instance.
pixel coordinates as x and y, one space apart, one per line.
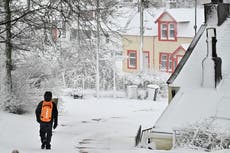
204 135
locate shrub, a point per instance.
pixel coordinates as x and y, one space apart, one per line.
202 136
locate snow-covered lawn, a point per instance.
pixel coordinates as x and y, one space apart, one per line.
85 126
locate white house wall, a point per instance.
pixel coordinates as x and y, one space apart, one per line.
194 103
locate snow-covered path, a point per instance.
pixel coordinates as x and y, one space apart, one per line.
90 125
86 126
106 125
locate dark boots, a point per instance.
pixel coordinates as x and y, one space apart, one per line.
45 145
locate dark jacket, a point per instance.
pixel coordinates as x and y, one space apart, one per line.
54 113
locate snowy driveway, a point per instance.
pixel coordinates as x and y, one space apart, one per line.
85 126
104 125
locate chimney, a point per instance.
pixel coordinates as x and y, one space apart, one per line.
216 12
211 64
170 4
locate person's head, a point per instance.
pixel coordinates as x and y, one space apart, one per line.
48 96
15 151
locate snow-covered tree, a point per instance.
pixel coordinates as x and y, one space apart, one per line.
30 27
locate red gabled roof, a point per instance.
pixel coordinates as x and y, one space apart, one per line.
164 13
178 49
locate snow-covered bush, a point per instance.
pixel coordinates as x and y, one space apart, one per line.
142 80
30 80
202 136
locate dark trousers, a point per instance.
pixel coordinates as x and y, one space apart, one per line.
46 133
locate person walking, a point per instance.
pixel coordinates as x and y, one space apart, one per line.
47 116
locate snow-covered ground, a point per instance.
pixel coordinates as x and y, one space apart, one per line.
85 126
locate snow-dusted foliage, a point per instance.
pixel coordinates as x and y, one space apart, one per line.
203 135
35 28
30 79
142 80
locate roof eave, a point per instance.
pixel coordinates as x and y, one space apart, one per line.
187 54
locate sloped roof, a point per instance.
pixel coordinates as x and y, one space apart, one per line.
186 20
187 54
192 96
182 46
185 17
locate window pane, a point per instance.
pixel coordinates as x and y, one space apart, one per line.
163 57
133 62
163 65
172 34
170 67
171 31
163 31
132 59
170 64
164 34
163 62
132 55
171 26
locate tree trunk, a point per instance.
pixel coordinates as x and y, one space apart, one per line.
7 65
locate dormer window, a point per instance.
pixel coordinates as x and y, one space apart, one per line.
164 31
167 31
172 31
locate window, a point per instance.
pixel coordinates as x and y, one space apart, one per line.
170 66
163 31
163 61
167 31
166 62
171 31
132 59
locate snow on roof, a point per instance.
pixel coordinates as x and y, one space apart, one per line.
185 17
186 29
133 26
194 103
183 14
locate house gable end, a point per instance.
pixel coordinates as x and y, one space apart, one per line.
165 17
180 48
167 27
